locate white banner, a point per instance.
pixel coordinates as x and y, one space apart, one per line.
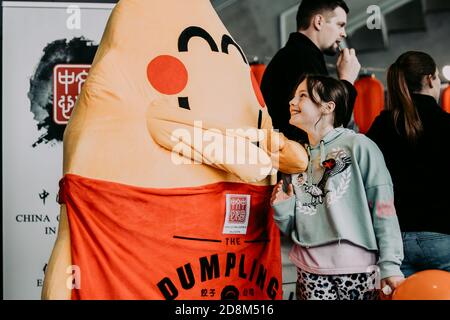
47 50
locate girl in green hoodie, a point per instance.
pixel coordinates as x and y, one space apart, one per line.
340 213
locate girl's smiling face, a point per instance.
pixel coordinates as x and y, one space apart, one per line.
304 112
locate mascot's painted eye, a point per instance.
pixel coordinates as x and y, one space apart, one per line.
168 75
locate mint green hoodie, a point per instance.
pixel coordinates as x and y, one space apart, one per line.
346 194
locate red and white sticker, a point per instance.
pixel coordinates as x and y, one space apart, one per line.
67 82
237 214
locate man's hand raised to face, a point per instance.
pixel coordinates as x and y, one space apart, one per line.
348 65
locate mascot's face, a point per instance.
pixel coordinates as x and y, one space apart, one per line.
207 80
169 75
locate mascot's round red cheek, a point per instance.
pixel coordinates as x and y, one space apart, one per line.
167 74
257 91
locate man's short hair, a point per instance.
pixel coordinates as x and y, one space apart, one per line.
309 8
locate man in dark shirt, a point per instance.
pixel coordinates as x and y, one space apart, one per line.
321 28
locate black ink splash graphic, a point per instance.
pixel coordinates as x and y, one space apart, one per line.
76 51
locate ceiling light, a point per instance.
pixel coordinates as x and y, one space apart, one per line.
446 72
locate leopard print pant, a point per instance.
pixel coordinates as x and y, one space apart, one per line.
358 286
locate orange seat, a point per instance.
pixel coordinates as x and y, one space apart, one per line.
258 70
446 99
369 102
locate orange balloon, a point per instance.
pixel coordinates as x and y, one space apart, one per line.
424 285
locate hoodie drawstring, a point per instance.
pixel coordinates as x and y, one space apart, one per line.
322 152
309 181
309 178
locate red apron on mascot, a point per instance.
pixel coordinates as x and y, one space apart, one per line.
167 178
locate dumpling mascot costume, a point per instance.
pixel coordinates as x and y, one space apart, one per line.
167 179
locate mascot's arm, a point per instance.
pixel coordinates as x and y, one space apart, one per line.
287 155
213 144
56 278
292 157
234 153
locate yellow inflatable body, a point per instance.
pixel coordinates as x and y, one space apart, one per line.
167 163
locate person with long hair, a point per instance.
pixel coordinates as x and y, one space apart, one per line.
412 134
340 214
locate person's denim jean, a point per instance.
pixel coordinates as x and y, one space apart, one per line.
425 250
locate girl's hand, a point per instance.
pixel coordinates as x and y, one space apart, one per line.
391 283
279 195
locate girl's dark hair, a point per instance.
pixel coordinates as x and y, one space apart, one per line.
325 89
403 79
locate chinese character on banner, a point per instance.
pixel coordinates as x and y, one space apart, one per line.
67 82
43 195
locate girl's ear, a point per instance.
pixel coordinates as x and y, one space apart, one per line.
328 107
